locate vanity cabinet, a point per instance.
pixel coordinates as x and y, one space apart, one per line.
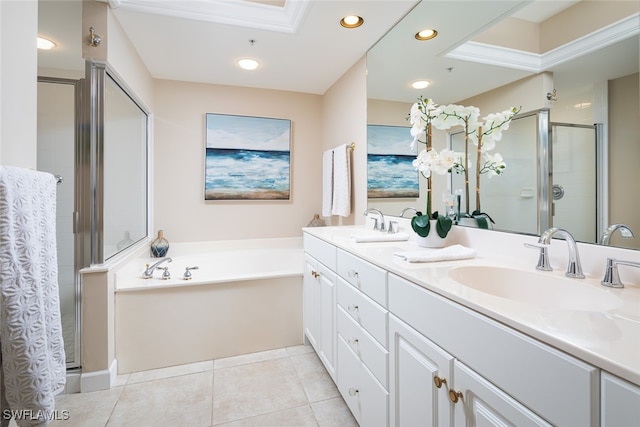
620 402
363 357
319 300
497 368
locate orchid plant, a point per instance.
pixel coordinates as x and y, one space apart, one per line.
424 115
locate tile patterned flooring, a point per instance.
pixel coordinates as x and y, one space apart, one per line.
284 387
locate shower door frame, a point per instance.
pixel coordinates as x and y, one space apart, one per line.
78 239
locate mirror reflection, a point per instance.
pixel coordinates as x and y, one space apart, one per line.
554 59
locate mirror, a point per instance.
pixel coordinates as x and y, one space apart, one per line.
588 82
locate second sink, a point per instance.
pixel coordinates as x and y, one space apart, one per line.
535 288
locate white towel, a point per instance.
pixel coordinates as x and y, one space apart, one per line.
381 237
327 182
450 253
33 360
341 181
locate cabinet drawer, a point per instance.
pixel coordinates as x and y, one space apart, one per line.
365 397
553 384
364 276
368 350
320 250
364 311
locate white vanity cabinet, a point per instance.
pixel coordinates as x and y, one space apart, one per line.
499 375
620 402
319 300
363 357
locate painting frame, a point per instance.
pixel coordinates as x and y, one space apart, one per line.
247 158
390 170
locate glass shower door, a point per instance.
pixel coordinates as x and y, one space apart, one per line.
56 154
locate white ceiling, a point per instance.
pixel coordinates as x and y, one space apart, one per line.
302 48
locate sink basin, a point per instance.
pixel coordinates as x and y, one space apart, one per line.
532 287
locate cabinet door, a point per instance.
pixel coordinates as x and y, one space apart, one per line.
326 314
310 290
620 402
415 362
480 403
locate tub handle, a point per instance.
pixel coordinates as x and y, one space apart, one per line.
187 272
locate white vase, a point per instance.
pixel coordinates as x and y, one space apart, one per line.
432 240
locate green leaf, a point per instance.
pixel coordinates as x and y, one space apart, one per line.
421 225
443 225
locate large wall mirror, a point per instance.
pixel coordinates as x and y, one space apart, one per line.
572 64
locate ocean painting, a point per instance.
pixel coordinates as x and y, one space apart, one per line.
247 158
390 171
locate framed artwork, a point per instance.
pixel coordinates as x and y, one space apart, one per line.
390 171
247 158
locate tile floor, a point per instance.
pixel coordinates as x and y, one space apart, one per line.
284 387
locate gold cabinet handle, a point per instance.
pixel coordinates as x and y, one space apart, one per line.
438 381
454 396
315 274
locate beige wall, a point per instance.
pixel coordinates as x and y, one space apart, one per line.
18 67
624 152
179 207
344 111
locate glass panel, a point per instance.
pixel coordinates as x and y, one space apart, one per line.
56 154
511 198
125 170
574 180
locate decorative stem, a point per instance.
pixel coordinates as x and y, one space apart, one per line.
429 179
466 166
478 164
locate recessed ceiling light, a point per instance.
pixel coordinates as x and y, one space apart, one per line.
248 64
420 84
351 21
45 44
426 34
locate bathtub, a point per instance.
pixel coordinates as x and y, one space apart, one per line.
245 296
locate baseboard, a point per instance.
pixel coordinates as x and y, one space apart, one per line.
98 380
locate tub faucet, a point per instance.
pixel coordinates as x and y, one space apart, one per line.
625 232
377 225
148 273
574 269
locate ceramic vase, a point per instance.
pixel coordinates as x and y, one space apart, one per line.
160 246
433 240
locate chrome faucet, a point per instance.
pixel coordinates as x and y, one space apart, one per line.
625 232
377 225
611 275
407 209
148 273
574 269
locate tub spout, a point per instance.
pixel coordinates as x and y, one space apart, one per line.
148 273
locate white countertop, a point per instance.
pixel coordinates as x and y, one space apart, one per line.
609 340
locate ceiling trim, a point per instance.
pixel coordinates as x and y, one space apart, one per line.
261 16
533 62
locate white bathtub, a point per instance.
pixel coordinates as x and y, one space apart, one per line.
245 296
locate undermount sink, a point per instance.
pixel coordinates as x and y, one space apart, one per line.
536 288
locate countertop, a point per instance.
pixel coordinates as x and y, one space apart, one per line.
608 339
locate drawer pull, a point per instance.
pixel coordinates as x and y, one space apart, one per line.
353 391
353 340
352 307
438 381
353 273
315 274
454 396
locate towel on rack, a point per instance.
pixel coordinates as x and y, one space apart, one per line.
450 253
33 360
341 204
327 182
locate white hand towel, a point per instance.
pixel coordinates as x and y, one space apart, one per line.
327 182
341 181
450 253
382 237
33 359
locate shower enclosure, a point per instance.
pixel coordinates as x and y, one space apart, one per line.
93 133
550 179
